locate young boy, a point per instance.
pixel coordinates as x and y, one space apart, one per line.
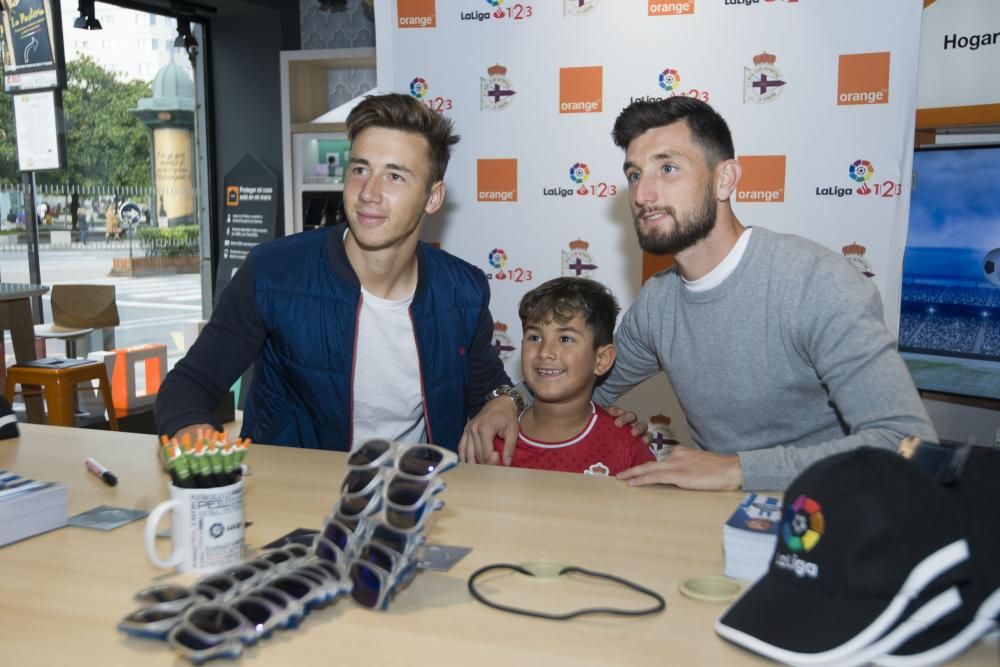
568 325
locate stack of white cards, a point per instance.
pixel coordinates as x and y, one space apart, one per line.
749 536
29 507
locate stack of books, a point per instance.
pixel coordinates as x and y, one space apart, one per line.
28 507
749 537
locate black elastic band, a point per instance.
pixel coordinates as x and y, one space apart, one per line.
571 569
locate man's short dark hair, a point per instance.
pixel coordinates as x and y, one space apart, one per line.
402 112
708 128
562 299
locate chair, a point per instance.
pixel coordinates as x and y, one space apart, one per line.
79 309
59 379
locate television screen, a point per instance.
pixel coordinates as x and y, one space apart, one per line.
949 329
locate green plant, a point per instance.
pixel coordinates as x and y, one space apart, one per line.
168 241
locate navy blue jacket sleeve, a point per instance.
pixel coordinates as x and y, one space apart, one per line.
225 348
486 371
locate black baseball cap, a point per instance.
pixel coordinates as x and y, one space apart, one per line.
977 490
864 532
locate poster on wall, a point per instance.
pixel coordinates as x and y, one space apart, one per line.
250 215
38 125
31 45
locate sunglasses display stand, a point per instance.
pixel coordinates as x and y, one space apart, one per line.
370 548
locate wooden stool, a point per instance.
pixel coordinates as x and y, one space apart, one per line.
59 378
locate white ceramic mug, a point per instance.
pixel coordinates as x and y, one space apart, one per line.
207 528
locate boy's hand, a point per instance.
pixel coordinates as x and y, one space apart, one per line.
624 417
497 418
689 469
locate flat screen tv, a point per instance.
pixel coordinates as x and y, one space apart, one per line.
949 329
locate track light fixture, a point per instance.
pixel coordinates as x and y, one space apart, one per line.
185 40
86 20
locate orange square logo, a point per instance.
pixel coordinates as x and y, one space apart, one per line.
863 78
670 8
763 178
654 264
581 89
232 195
496 180
416 14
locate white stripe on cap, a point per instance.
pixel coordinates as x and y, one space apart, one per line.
926 571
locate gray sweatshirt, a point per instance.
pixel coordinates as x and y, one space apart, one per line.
786 362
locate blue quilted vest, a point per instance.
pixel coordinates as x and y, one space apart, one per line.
309 298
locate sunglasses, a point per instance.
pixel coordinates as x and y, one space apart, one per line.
402 542
361 482
375 587
415 460
408 502
344 533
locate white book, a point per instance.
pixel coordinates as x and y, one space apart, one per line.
750 535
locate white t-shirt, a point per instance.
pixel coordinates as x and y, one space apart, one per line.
388 402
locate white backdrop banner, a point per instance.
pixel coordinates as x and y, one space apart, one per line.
819 95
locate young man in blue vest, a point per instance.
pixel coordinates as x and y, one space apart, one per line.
358 330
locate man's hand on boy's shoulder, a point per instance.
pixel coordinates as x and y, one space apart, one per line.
498 418
689 469
625 417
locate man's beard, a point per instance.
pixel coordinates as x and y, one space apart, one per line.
687 230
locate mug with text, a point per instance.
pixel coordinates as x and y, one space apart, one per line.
207 528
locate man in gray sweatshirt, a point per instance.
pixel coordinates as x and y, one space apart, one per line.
775 346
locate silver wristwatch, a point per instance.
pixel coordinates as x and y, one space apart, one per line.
507 390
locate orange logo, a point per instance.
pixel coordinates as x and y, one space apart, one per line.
496 179
416 14
670 8
232 195
581 89
654 264
863 78
763 178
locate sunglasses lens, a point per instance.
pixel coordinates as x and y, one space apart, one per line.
354 505
240 572
377 556
276 557
406 492
297 550
254 611
390 538
405 518
213 620
330 569
167 593
272 596
367 585
220 584
337 535
297 589
368 452
420 461
356 480
150 615
195 642
326 551
311 575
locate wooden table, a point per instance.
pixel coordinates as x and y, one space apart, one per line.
62 593
16 317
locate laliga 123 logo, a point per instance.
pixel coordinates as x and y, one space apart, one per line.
669 80
763 82
801 530
579 176
862 173
578 7
578 262
496 91
498 262
501 341
502 9
420 89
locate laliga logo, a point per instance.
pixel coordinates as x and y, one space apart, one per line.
419 89
863 171
498 260
801 531
579 174
516 12
669 79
